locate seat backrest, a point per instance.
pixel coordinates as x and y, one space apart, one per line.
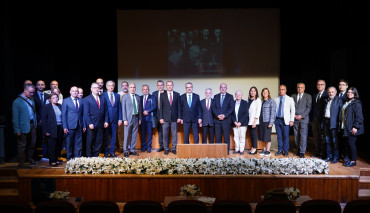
55 206
275 206
142 206
227 206
357 206
99 206
187 206
320 206
15 207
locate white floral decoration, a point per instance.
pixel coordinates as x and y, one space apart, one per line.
190 190
59 195
212 166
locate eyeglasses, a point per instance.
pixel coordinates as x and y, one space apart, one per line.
350 92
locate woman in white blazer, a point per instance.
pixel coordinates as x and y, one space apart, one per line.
254 115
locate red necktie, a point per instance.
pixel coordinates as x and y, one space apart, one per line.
207 104
170 99
97 100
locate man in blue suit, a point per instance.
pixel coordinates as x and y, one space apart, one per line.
222 110
24 124
149 107
73 124
115 119
343 86
96 118
157 95
190 113
207 124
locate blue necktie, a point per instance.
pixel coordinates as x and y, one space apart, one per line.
222 99
280 104
189 100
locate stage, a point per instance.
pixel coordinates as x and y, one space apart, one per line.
341 184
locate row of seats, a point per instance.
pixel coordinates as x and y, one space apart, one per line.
189 206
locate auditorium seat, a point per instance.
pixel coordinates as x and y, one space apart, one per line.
227 206
142 206
186 206
15 207
275 206
320 206
99 207
55 206
357 206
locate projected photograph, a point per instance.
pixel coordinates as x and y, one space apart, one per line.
195 52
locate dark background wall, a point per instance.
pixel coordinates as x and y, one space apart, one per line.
75 43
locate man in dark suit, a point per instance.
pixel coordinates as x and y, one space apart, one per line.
157 95
190 113
100 82
96 118
169 116
316 118
222 110
40 98
131 116
207 124
149 105
303 103
73 124
115 119
343 86
332 108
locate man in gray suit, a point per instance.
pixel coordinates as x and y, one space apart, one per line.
131 116
303 102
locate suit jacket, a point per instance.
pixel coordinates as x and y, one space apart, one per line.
207 116
21 117
344 97
70 116
114 112
155 94
227 107
303 108
335 107
289 108
92 113
128 108
151 106
39 104
243 113
193 113
318 107
170 113
49 120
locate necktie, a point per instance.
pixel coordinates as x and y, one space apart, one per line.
159 100
222 99
189 100
170 98
134 104
318 97
111 98
299 98
42 98
144 101
97 100
208 104
77 104
341 94
280 104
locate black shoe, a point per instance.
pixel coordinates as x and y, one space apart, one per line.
315 156
267 154
297 154
327 159
113 156
241 153
54 164
334 161
134 153
278 153
24 166
350 164
285 153
166 152
106 156
160 149
253 153
235 152
345 163
174 152
143 150
125 155
149 151
32 162
301 155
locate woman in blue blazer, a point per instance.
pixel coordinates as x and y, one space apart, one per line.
52 128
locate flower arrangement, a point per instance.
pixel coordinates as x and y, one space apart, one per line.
190 190
292 192
212 166
56 195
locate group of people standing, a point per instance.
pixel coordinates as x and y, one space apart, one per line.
46 115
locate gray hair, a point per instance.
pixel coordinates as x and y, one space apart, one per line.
110 81
335 89
94 84
209 90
